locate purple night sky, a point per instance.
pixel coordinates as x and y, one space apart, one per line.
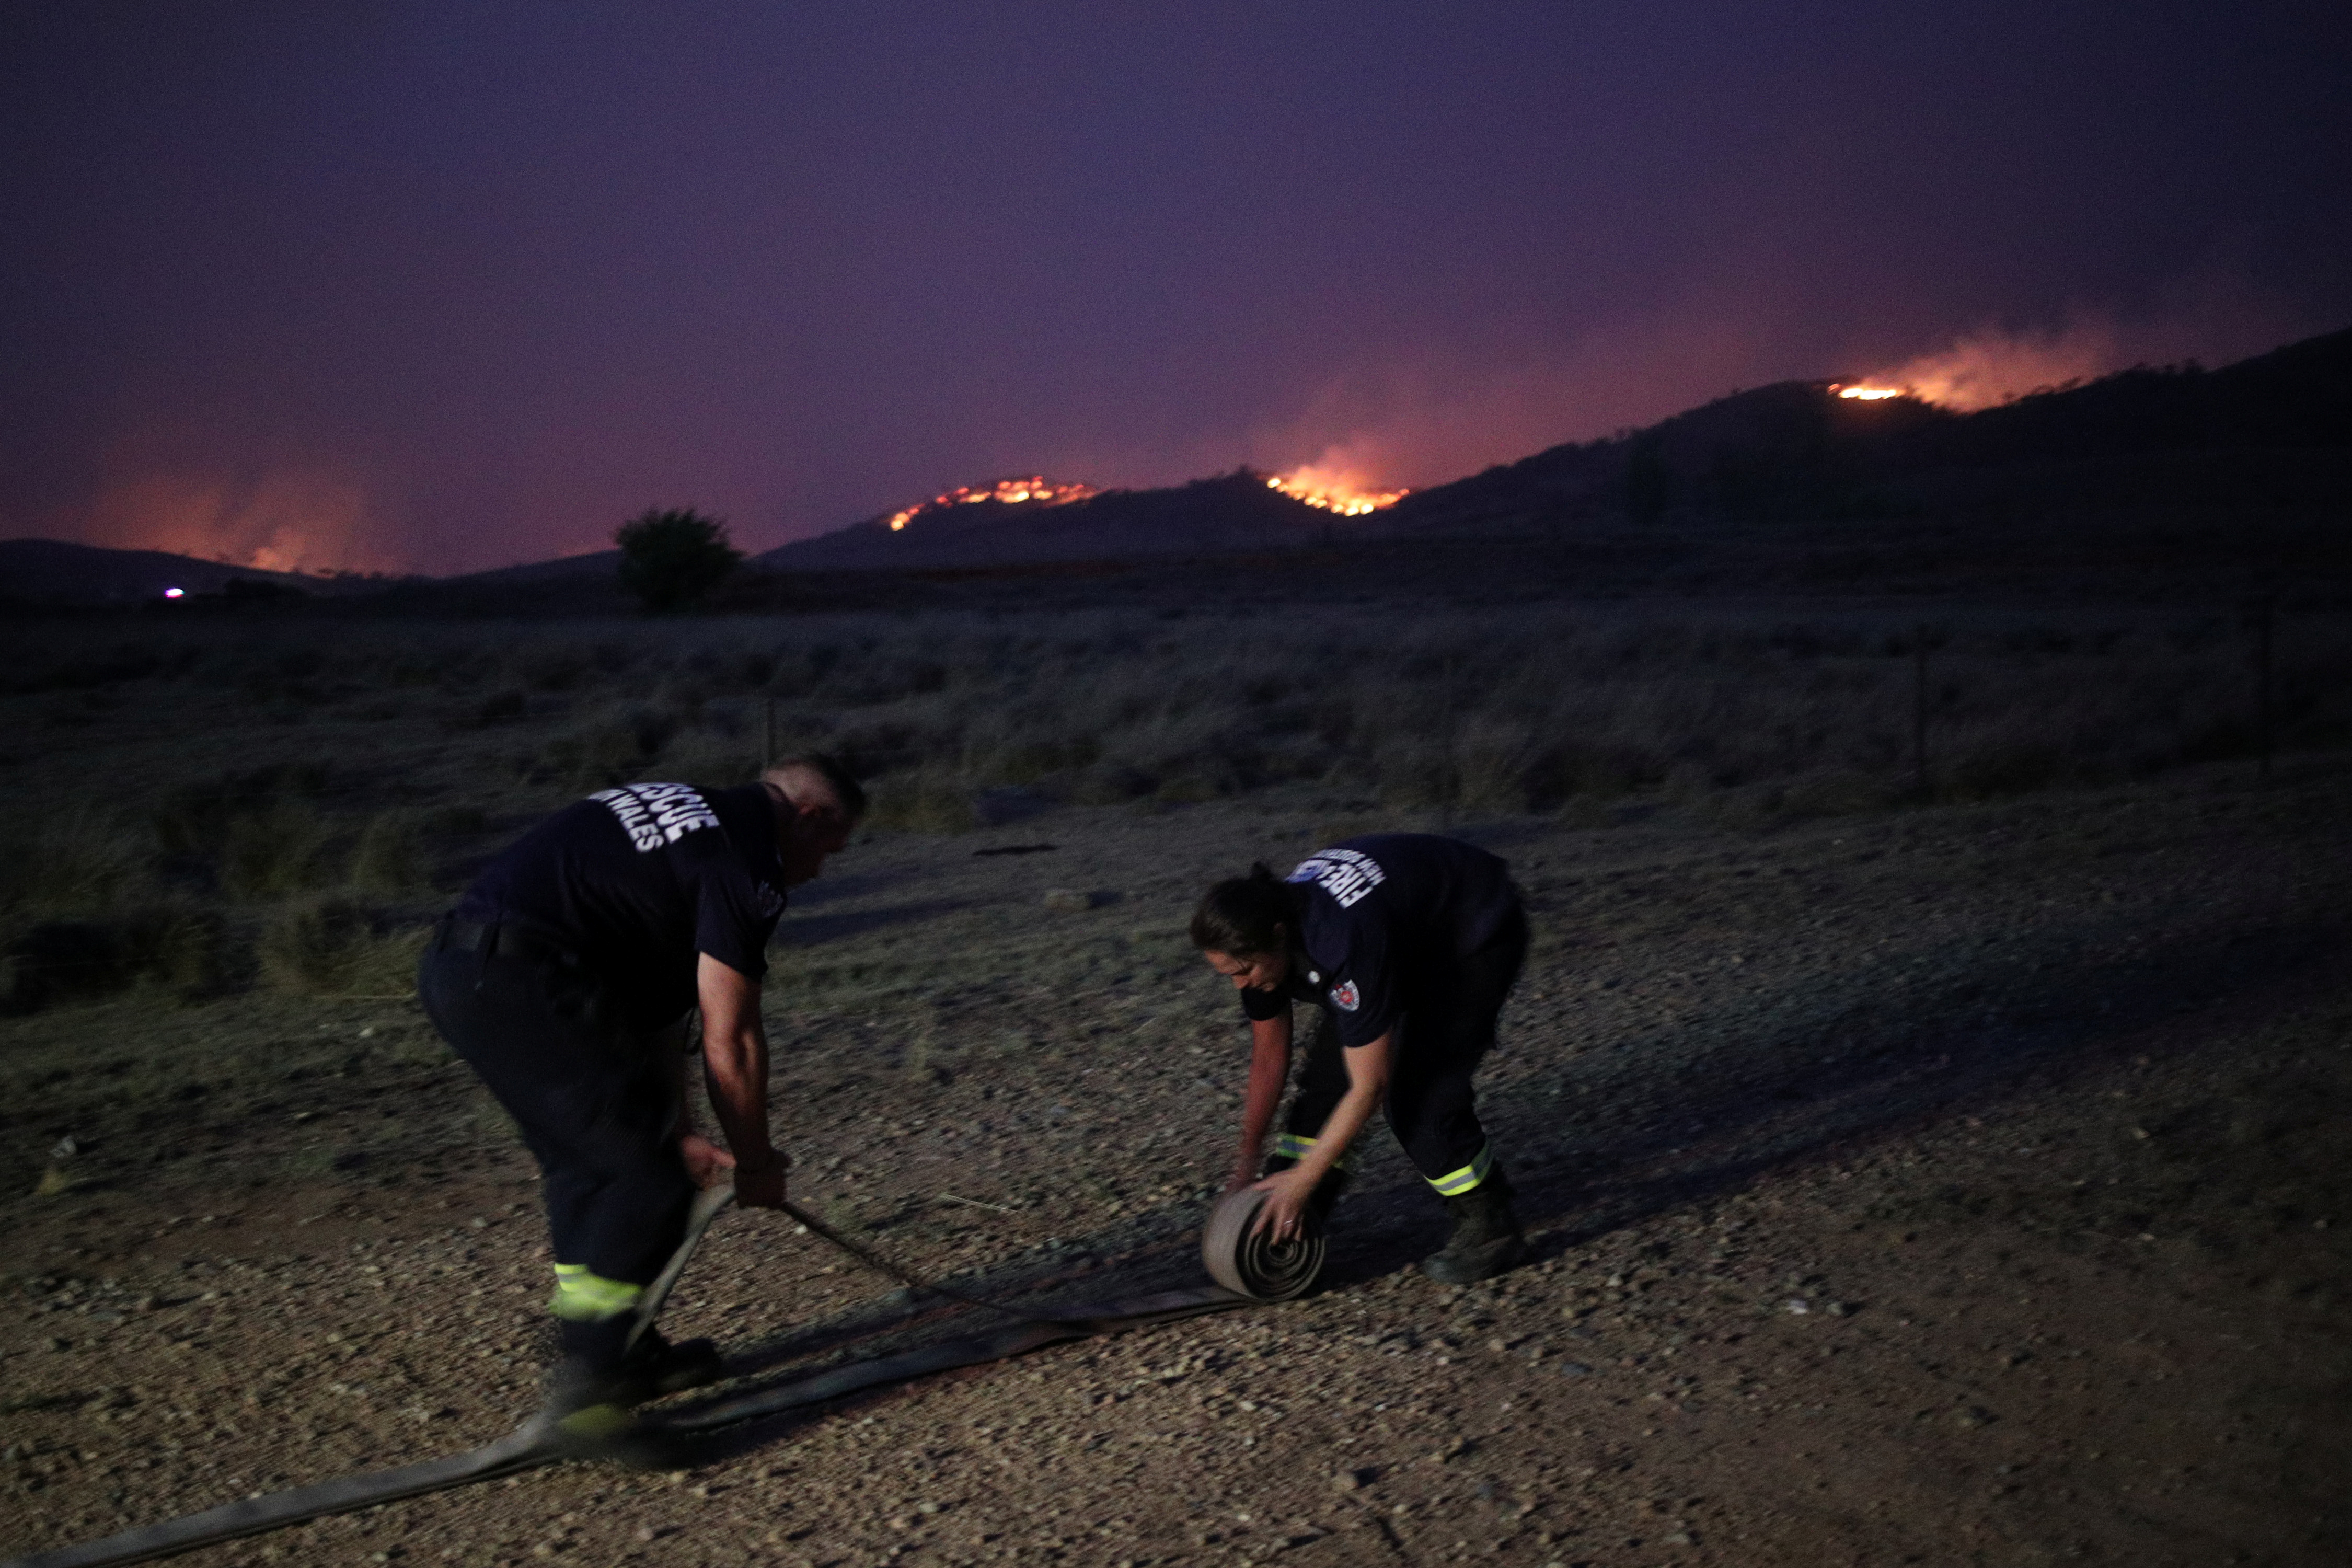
440 286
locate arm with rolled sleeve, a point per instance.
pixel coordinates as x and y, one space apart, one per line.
735 1070
1367 1031
1270 1028
1287 1191
735 917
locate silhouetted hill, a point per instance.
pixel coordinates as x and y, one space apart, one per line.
55 571
1792 446
1234 513
2156 481
597 564
2297 398
2274 431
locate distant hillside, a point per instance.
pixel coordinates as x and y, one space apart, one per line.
2249 467
600 564
54 571
2275 430
1234 513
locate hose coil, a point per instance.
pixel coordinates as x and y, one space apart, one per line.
1252 1264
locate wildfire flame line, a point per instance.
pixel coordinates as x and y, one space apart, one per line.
1344 499
1870 394
1031 487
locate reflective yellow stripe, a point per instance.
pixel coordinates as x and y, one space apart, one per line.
583 1297
1453 1183
1293 1146
597 1422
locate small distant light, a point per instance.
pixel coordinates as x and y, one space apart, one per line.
175 592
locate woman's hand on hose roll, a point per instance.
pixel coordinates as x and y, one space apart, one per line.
1284 1214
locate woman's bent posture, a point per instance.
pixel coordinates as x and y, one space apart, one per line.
1410 942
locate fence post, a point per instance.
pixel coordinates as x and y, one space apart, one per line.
1919 711
2258 615
1449 783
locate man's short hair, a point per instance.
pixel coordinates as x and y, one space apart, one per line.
790 772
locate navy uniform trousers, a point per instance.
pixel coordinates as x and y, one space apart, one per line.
597 1106
1447 1028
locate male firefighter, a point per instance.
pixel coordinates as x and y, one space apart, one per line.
560 976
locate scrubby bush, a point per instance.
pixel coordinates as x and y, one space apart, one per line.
187 950
553 667
1556 707
85 860
59 960
286 847
336 946
177 947
1529 711
391 858
498 707
605 748
926 800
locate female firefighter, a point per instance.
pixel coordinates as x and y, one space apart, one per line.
1410 942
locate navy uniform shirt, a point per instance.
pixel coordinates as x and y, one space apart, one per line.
1378 910
643 878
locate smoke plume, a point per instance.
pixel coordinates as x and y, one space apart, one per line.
285 522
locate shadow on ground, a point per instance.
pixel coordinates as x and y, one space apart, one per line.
1671 1128
1868 1072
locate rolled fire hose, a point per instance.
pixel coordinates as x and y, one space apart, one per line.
1250 1263
1249 1268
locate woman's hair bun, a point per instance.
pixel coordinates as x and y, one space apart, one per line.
1244 916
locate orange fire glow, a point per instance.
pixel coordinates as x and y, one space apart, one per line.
1034 487
1870 394
292 520
1332 492
1992 366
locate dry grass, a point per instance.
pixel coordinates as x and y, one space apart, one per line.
335 946
295 801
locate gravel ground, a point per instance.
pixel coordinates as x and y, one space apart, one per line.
1961 1185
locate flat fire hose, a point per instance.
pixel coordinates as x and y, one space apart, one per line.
1247 1268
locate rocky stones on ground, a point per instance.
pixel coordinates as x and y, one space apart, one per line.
1977 1186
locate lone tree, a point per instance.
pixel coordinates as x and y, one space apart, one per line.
671 559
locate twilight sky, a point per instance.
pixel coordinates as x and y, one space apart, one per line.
445 286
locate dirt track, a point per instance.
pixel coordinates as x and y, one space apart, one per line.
1964 1186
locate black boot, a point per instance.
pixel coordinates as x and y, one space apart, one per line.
593 1390
665 1368
1486 1239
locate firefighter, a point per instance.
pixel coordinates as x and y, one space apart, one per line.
1410 942
562 977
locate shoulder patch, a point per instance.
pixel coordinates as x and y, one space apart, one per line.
1346 997
654 814
1346 874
